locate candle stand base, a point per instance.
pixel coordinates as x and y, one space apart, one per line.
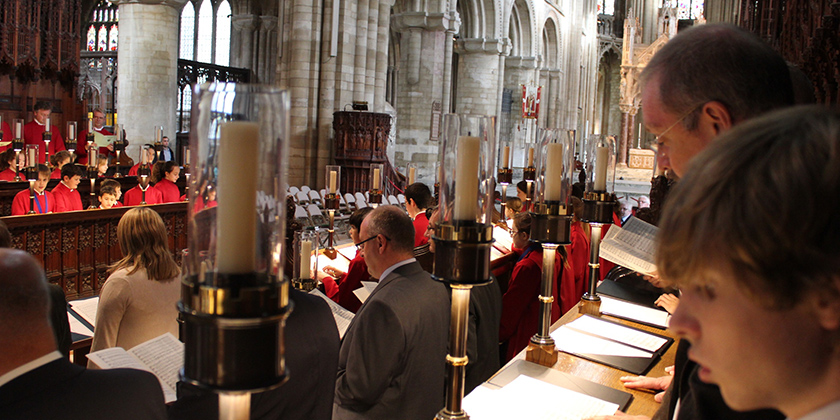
590 306
305 285
374 198
444 415
331 253
463 254
541 354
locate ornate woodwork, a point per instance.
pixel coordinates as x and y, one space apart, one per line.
361 138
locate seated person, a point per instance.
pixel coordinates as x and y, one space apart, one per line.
112 183
58 161
346 283
36 382
522 190
164 175
760 289
135 196
101 165
67 197
44 200
150 156
107 197
417 199
513 206
139 300
7 165
520 303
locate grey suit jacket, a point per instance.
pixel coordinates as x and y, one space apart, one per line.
393 357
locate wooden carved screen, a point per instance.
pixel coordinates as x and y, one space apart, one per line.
361 138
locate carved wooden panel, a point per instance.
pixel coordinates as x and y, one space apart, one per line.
361 138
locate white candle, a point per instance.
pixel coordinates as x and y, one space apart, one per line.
305 258
506 157
158 134
72 132
333 176
90 125
31 160
376 178
17 129
601 159
554 172
412 171
236 218
466 179
531 156
143 157
188 157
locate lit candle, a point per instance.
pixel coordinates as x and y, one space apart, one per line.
466 178
531 156
236 219
31 158
47 125
553 172
72 133
412 171
333 176
188 157
376 178
18 125
90 125
601 159
506 157
305 258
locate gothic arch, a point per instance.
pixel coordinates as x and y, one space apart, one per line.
478 18
521 32
551 44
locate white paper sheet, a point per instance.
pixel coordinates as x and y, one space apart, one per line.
631 245
364 292
632 311
573 341
619 333
77 327
503 241
342 316
86 308
539 399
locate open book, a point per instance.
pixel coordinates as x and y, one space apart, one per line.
81 314
342 316
163 356
631 245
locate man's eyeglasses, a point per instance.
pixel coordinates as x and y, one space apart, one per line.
359 245
691 111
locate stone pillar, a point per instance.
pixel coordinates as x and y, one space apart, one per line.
361 50
268 48
243 28
625 140
381 75
148 71
478 75
553 93
370 57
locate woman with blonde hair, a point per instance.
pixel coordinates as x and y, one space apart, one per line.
138 300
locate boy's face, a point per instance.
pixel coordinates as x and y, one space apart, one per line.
758 356
107 200
119 192
73 182
41 183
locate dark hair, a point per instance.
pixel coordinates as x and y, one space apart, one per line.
420 194
5 236
162 168
44 169
108 182
59 156
42 105
394 223
522 186
358 216
5 157
718 62
70 170
522 222
107 189
716 218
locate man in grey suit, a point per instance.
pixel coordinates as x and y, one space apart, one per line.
36 382
393 357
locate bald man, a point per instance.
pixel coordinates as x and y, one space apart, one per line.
36 382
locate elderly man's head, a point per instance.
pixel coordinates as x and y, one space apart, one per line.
386 238
704 81
24 300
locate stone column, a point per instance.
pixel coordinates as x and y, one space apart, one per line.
243 27
551 99
361 50
148 71
478 75
381 69
268 48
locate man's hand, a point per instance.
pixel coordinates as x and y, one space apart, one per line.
333 271
657 384
668 302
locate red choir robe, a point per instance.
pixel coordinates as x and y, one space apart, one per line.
8 175
134 196
579 257
352 280
32 134
421 223
81 145
565 275
44 202
168 190
66 199
56 173
520 303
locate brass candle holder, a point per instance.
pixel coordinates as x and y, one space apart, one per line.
331 204
46 136
377 175
119 148
464 236
504 174
306 260
17 145
144 172
31 173
598 206
92 174
158 144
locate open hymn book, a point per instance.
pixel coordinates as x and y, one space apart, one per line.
631 245
163 356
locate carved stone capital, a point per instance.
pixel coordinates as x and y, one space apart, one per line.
244 22
427 21
175 4
484 46
520 62
268 23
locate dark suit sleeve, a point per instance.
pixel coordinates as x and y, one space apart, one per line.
377 345
58 317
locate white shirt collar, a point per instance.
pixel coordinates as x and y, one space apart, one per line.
828 412
39 123
68 187
390 269
30 366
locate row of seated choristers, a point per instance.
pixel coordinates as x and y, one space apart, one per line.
66 197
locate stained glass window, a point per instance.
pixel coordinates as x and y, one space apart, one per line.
113 38
223 34
91 39
187 47
687 9
606 7
102 45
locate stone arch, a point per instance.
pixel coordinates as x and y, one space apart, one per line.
478 18
551 44
521 26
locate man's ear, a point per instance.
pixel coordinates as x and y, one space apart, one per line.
714 118
827 307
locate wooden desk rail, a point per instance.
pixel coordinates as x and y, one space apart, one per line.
77 247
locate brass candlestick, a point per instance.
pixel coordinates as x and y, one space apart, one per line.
32 176
47 137
331 203
306 260
92 174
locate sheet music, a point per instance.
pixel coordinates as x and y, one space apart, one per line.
573 341
86 308
339 262
504 242
631 245
348 252
539 399
495 253
342 316
364 292
164 356
620 333
632 311
77 327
